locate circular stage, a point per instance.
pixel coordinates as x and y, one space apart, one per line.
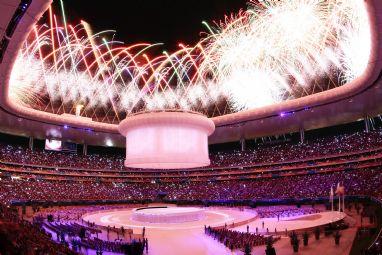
170 217
175 218
168 214
189 238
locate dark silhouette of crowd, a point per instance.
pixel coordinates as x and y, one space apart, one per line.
235 239
136 247
82 236
18 236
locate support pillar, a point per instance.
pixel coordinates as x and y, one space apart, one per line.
339 202
243 144
31 143
302 135
85 149
367 124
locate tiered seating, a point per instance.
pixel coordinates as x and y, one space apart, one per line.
302 171
357 182
332 154
289 170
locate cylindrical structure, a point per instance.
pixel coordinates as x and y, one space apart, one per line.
167 140
168 214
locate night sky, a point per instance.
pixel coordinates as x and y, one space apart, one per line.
166 21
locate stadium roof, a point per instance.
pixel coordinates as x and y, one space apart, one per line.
342 104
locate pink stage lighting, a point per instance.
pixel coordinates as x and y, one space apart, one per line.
167 140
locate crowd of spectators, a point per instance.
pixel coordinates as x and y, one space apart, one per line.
284 211
86 236
293 150
306 184
356 182
18 236
23 155
362 160
73 213
259 154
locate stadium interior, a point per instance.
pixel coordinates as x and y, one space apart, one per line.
262 134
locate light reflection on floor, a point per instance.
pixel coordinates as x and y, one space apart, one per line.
188 238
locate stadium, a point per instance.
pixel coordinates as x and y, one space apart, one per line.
203 127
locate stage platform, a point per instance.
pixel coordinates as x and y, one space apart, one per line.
212 216
168 214
188 238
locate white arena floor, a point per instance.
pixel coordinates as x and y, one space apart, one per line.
212 217
188 238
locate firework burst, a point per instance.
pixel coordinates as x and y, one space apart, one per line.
274 51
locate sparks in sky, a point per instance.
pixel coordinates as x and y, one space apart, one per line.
271 52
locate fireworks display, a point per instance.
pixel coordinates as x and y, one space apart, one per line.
274 51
